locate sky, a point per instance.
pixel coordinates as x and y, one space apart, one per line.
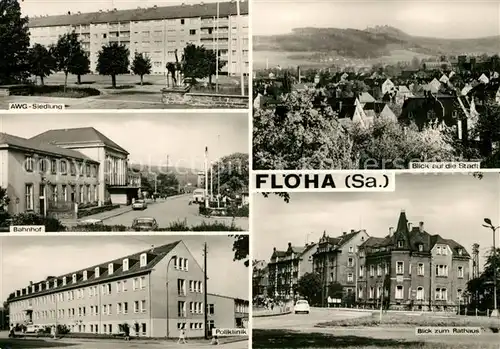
25 259
451 205
441 19
57 7
183 137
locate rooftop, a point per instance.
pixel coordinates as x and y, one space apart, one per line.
76 136
154 256
38 145
141 14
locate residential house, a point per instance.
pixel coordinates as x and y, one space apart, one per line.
412 269
260 279
336 261
388 87
287 267
402 94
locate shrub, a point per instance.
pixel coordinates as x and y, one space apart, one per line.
31 218
62 329
98 228
87 205
94 210
243 211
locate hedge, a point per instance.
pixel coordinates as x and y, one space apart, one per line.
31 218
94 210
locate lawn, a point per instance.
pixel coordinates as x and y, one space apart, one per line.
416 319
296 340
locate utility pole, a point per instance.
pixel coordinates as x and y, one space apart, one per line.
495 279
205 278
240 48
217 53
206 178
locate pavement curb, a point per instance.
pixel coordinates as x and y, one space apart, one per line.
271 315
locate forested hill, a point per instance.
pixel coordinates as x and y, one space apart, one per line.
370 43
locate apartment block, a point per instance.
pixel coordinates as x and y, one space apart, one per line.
412 269
336 261
156 292
158 32
287 267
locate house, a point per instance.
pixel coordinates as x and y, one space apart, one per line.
483 79
336 261
402 93
366 97
378 110
156 292
387 87
113 175
444 79
287 267
412 269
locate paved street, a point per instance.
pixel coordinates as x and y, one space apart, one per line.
306 325
169 211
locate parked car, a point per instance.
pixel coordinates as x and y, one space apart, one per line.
302 306
144 224
33 328
139 205
198 196
90 221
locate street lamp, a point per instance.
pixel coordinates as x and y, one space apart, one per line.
168 306
489 225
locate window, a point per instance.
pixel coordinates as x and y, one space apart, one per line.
441 294
399 292
143 306
350 262
108 288
192 31
351 249
125 308
399 268
124 285
350 277
111 268
211 309
181 309
438 250
379 270
460 272
459 294
28 192
409 269
460 251
361 271
444 251
400 243
360 293
135 282
136 306
181 287
28 164
74 278
125 264
420 247
96 272
371 293
182 21
54 193
53 166
118 286
144 260
185 264
142 282
386 268
64 281
442 270
63 166
420 270
372 270
65 193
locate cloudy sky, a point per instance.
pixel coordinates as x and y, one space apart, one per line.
182 136
444 19
451 205
25 259
54 7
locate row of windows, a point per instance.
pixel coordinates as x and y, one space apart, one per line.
192 325
440 293
441 270
194 287
194 308
85 193
43 164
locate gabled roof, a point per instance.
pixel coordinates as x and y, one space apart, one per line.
76 136
365 97
155 256
142 14
41 147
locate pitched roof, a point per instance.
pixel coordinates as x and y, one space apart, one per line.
40 147
155 255
76 136
141 14
365 97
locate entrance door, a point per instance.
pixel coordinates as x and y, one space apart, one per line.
42 199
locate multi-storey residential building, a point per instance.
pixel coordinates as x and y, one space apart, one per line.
287 267
41 177
158 32
157 292
117 183
260 279
336 261
412 269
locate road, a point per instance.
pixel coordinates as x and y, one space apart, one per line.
170 211
304 324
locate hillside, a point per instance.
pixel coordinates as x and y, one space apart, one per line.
369 43
184 175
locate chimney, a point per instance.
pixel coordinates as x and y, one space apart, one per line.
31 283
391 231
352 231
421 227
289 244
274 249
410 226
344 233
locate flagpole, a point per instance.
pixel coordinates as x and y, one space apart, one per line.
217 53
206 177
240 53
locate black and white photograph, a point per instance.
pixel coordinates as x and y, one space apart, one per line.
364 270
124 292
124 54
375 84
125 172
